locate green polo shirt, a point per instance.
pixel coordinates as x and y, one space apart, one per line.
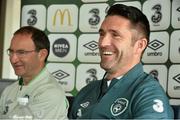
136 95
46 97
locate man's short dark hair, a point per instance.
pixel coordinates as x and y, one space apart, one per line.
134 15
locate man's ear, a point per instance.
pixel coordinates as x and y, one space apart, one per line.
43 54
140 45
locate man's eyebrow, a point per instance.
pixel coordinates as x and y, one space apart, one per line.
10 49
16 50
121 32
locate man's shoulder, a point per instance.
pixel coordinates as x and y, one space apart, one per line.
11 88
90 87
93 84
149 80
148 84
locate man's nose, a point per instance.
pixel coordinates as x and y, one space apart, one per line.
105 41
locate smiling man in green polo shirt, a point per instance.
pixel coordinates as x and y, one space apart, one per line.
130 93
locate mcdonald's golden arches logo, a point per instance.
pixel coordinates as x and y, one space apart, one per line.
62 14
62 18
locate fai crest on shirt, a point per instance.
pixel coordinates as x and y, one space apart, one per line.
119 106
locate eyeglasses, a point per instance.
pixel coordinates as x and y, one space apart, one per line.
19 53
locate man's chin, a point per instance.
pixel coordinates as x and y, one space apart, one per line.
105 66
18 73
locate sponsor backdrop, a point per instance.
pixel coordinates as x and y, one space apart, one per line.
72 27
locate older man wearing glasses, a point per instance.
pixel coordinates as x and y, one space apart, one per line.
28 53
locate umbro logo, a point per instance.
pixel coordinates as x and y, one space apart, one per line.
177 78
92 45
59 74
85 105
178 9
155 44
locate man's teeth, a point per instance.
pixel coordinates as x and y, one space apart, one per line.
107 53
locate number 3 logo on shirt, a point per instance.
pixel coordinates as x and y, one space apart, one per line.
158 106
